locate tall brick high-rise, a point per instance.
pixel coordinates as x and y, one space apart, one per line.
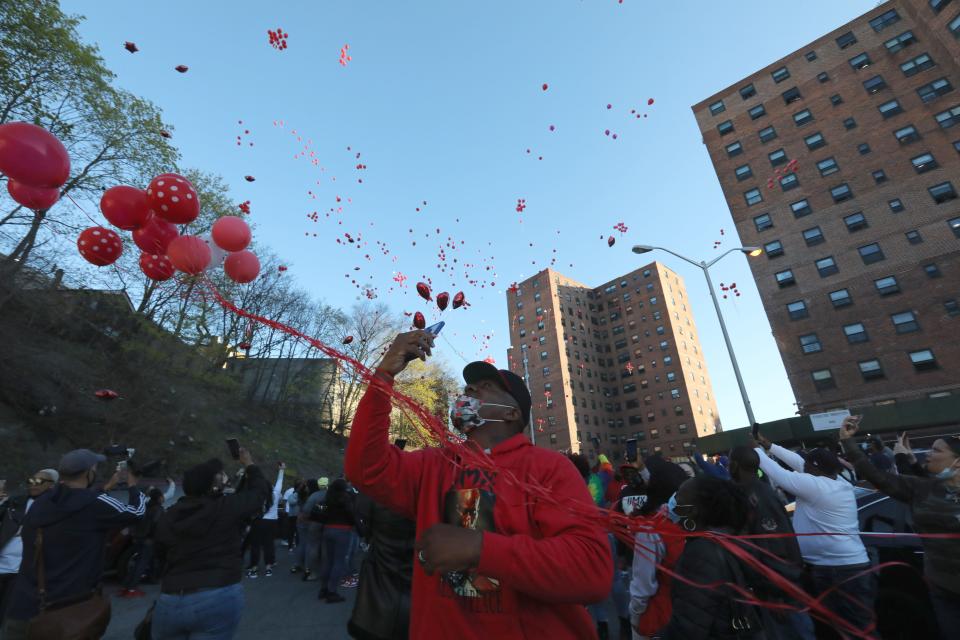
611 363
842 160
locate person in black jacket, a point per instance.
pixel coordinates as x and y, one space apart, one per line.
707 503
200 537
382 608
74 520
143 545
338 521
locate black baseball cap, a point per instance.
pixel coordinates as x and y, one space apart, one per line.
511 383
823 459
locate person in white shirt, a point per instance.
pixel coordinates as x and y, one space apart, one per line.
826 504
12 511
263 533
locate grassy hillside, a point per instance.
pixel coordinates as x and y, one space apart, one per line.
60 346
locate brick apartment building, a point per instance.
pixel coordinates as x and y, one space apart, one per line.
861 279
611 363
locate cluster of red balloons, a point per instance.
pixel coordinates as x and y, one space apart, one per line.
35 162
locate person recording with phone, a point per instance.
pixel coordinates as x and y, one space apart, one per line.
491 560
935 505
64 541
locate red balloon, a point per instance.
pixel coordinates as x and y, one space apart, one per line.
459 300
106 394
442 300
155 236
173 198
125 207
242 266
231 233
33 156
419 321
424 290
348 340
189 254
156 267
33 197
100 246
611 241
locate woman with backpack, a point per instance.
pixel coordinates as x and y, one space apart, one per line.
336 514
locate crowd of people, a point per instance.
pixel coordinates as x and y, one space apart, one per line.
455 548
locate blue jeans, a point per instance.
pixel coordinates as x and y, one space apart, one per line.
212 614
300 553
333 565
853 599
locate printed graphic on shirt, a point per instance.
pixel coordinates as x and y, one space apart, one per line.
469 504
633 504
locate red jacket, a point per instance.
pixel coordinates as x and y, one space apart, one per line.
539 564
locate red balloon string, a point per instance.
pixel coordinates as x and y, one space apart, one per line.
99 224
462 453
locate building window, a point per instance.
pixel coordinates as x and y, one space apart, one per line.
923 359
938 5
810 56
932 270
890 109
757 112
841 192
546 371
954 224
836 100
763 222
896 205
797 310
810 343
767 134
905 322
748 92
876 84
789 181
861 61
914 237
886 286
879 176
951 307
826 266
932 91
870 369
856 333
725 127
781 74
948 118
924 162
543 355
803 117
813 236
840 298
849 123
907 134
921 63
846 40
905 39
884 20
823 76
773 249
855 221
954 26
743 172
779 156
734 149
871 253
863 148
717 108
943 192
752 197
801 208
785 278
823 379
827 166
815 141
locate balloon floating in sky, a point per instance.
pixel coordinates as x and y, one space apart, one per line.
611 241
125 207
165 134
348 340
459 300
106 394
424 290
545 86
155 236
278 38
182 68
231 233
419 321
156 267
130 46
249 178
242 267
33 156
173 198
442 300
99 246
189 254
37 198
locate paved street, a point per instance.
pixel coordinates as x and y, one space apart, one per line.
280 606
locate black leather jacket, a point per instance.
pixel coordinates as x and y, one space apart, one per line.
382 609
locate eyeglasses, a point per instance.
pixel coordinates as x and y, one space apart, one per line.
37 481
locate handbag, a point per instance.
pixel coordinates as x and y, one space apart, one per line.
144 630
82 617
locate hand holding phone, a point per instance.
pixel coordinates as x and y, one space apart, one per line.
234 446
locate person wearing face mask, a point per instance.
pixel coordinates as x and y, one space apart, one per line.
935 505
71 523
200 590
491 561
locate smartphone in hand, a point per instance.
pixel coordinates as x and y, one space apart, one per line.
234 445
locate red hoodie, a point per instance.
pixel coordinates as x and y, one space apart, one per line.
539 564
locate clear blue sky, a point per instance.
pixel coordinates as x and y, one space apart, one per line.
442 99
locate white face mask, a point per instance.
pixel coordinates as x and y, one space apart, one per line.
465 414
946 474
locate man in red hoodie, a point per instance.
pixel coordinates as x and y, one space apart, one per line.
493 561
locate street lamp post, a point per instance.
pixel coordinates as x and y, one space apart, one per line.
705 267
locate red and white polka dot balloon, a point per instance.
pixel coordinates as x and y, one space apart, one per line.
156 267
173 198
100 246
